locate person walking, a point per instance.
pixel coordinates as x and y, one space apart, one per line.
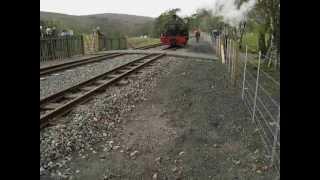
197 35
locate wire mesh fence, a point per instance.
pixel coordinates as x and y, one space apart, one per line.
260 91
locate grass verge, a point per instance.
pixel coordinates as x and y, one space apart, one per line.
139 42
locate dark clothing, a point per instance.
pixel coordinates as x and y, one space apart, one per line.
197 36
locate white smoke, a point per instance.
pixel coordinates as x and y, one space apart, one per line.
230 12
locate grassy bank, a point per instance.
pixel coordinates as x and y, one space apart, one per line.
138 42
251 40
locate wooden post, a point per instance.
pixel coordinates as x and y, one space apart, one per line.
233 63
111 44
82 44
105 43
229 55
230 58
67 47
236 65
218 46
53 49
126 43
222 54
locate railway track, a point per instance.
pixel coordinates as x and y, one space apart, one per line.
67 65
63 101
149 46
170 48
63 66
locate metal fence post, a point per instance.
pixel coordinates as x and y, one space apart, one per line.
226 52
275 138
257 86
219 46
216 46
230 57
244 72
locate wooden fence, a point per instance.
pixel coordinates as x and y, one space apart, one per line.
112 43
64 47
60 47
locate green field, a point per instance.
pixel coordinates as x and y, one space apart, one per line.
251 40
139 42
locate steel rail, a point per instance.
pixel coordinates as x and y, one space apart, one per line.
67 65
94 84
149 46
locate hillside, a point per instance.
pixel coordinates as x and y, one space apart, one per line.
109 23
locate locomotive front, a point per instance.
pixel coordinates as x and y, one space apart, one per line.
175 33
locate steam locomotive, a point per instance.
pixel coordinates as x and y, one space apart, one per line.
175 33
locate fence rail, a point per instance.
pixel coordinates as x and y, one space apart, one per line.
261 102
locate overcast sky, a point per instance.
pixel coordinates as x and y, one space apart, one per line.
152 8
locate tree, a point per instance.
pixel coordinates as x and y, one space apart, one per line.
266 14
159 23
206 20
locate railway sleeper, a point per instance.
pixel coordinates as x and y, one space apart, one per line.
100 82
121 71
122 82
88 88
111 76
60 99
137 72
51 106
134 65
72 96
126 68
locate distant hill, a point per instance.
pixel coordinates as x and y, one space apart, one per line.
109 23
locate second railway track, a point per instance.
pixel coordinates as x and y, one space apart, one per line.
63 101
67 65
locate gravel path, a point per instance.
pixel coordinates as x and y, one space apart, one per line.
56 82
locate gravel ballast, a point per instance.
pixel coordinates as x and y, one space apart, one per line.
177 119
94 121
61 80
58 61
